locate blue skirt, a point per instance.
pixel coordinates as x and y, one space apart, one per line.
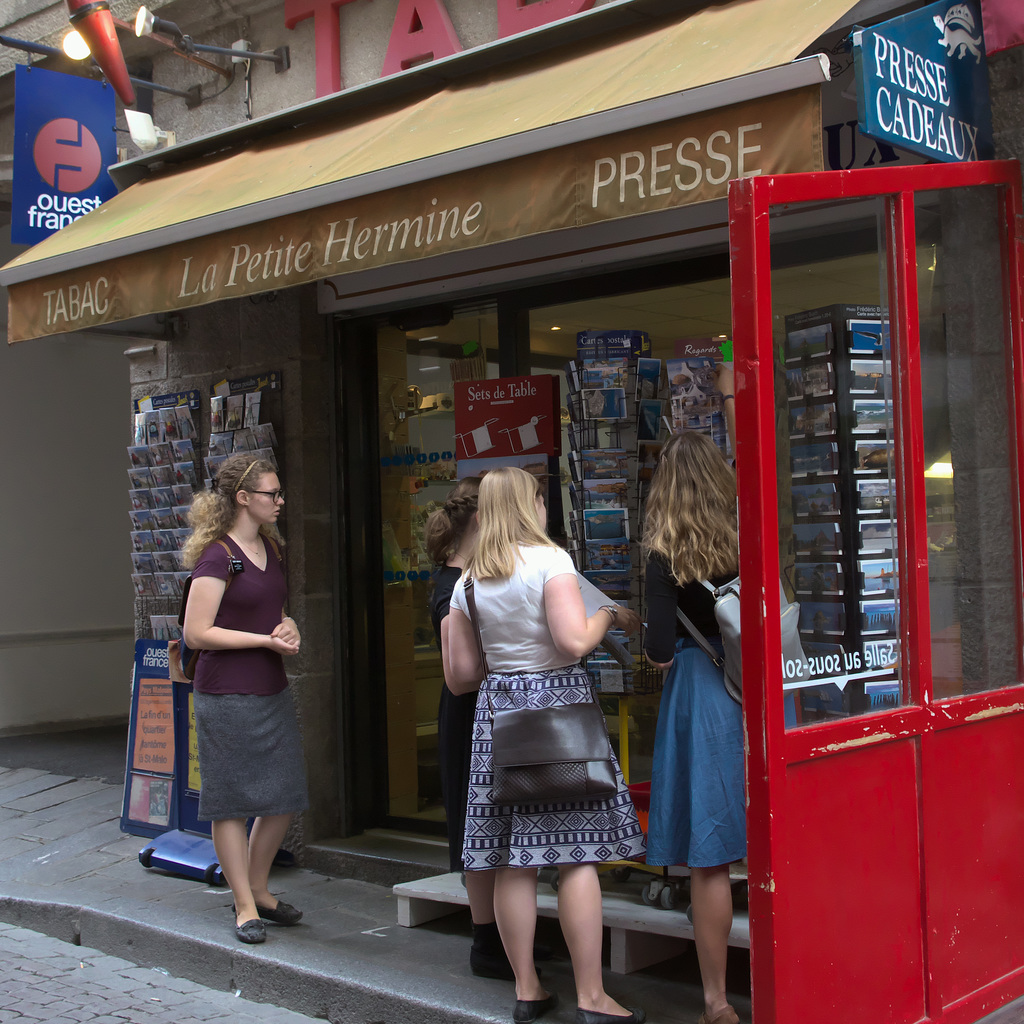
698 803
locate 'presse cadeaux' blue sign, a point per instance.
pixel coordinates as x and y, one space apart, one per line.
922 82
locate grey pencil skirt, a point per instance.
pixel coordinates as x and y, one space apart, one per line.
250 756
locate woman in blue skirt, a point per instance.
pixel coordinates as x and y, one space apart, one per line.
697 814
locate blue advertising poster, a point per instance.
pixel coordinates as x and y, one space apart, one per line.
922 82
64 141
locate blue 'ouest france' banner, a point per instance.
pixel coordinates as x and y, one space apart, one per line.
922 82
64 140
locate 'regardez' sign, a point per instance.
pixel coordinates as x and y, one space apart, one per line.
922 82
63 143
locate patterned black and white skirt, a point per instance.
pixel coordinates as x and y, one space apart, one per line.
541 835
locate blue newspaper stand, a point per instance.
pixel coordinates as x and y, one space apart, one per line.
161 792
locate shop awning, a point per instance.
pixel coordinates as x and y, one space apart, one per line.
278 211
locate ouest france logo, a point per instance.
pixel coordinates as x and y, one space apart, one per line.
67 157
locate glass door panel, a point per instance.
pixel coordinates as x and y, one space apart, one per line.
835 443
416 372
969 483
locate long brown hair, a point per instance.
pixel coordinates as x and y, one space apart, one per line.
690 519
446 526
508 520
214 512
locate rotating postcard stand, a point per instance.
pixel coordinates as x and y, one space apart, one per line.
478 440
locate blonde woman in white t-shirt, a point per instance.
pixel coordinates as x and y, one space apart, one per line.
535 631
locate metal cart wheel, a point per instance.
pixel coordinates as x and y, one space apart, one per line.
669 897
146 857
651 893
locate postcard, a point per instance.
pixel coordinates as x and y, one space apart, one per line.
615 583
605 463
878 616
185 473
235 413
604 374
252 409
162 497
875 495
141 477
868 377
650 411
606 524
152 422
181 516
873 456
605 493
648 454
265 436
868 338
877 536
140 499
607 555
142 519
809 342
822 618
817 539
182 494
879 576
606 404
138 456
648 378
871 415
183 450
815 499
814 458
142 540
819 578
186 425
161 455
143 561
162 476
139 436
812 419
168 424
221 443
143 584
217 414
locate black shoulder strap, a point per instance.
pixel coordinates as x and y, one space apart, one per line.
473 617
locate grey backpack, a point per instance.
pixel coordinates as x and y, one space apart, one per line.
727 613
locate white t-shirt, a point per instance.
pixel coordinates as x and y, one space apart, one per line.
513 622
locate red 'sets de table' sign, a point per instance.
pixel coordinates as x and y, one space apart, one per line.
507 416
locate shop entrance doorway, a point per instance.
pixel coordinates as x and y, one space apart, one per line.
879 436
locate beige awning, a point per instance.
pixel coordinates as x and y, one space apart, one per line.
296 184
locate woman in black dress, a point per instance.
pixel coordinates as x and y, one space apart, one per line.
449 537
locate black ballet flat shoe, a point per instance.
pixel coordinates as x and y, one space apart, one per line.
635 1016
252 931
283 913
527 1010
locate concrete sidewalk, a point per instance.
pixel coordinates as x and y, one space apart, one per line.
68 871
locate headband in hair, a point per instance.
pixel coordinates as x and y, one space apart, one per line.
238 486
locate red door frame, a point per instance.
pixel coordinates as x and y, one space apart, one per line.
771 750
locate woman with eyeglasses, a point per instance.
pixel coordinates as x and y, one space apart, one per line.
250 749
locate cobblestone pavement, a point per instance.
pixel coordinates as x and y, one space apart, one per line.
46 981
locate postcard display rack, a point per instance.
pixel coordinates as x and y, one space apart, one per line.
838 384
615 423
166 466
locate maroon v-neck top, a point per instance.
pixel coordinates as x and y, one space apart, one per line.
252 603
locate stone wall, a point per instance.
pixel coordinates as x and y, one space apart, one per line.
279 331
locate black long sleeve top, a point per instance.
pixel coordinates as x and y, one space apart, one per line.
664 595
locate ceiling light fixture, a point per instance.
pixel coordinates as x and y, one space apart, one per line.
146 23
